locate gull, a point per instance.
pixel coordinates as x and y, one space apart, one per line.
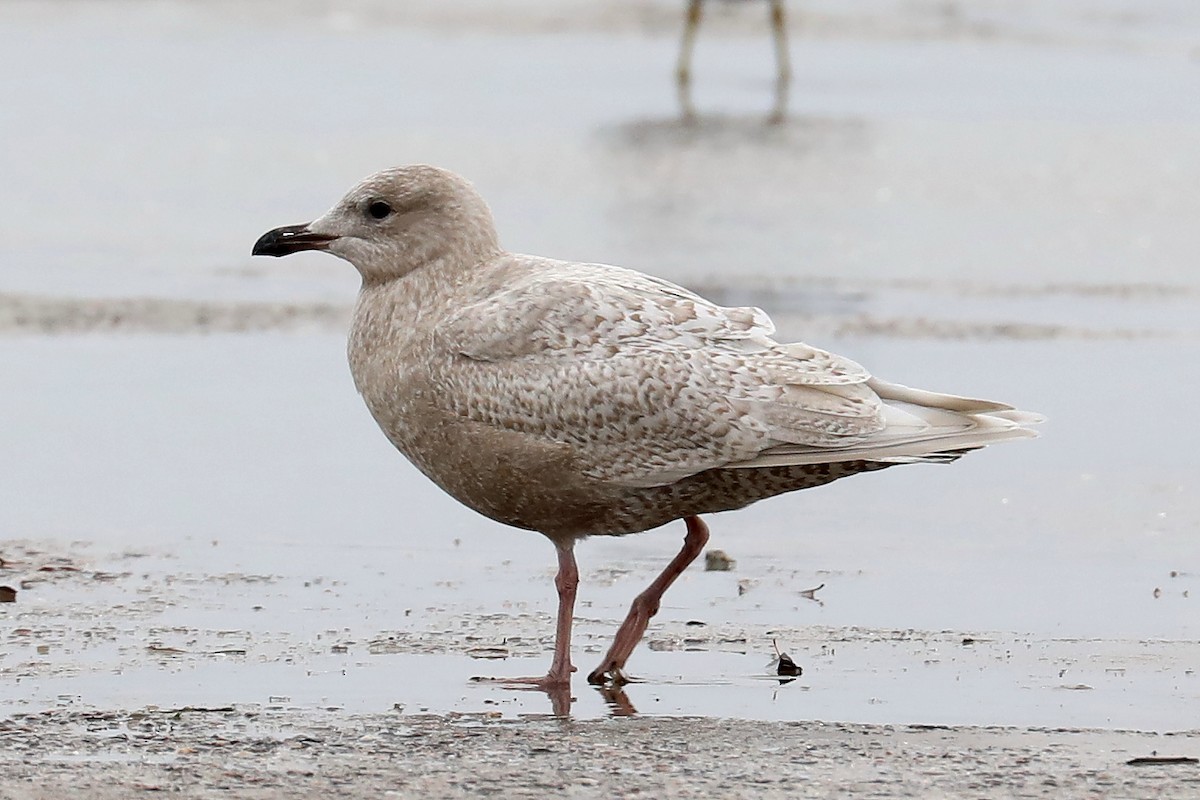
582 400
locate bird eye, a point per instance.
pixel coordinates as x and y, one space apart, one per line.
379 209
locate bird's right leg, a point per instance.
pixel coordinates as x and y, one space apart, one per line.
683 72
566 582
779 29
557 682
784 76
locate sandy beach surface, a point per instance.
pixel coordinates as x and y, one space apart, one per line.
219 580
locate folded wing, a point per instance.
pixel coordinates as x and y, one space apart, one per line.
651 383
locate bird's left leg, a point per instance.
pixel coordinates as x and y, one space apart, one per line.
647 603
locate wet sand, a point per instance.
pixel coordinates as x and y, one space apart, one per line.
213 752
226 582
114 686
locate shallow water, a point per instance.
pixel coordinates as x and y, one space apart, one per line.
1008 216
184 469
983 161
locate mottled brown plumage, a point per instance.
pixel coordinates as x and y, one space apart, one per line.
583 399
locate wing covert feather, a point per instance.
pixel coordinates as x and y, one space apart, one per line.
649 382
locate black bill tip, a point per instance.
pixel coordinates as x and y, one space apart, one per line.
290 239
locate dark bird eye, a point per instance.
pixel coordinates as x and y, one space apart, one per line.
379 209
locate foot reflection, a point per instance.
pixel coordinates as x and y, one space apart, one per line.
619 704
559 693
614 696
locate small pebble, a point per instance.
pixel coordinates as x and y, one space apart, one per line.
718 561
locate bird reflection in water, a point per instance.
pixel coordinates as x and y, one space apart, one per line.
619 704
613 694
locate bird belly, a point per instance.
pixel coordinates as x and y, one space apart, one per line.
511 477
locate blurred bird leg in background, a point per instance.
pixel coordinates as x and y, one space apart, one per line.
783 75
683 71
779 29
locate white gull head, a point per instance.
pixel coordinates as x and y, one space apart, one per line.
396 221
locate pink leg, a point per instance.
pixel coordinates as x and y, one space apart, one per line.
558 679
566 581
646 605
